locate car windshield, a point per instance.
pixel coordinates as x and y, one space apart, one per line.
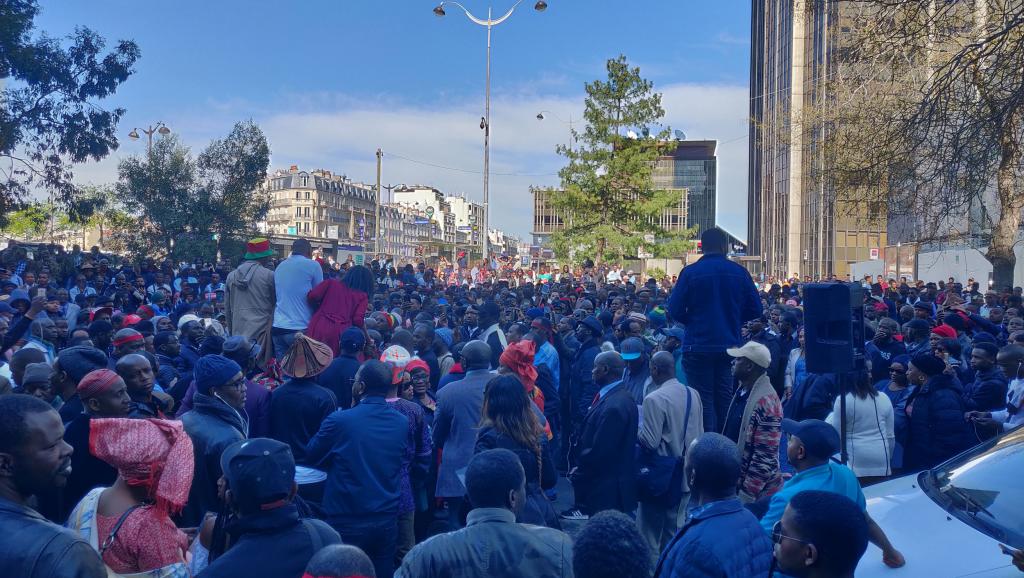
983 487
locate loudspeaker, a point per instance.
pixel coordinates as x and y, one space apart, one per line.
834 327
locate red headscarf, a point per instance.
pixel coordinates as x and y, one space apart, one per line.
519 358
152 453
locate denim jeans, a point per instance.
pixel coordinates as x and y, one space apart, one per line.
282 342
710 373
377 538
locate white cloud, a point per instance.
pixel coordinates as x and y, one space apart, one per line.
339 133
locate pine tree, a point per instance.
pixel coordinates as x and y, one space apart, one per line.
611 207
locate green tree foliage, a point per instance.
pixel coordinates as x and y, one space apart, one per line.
608 197
29 222
194 204
49 116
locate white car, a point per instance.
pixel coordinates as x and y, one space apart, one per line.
951 520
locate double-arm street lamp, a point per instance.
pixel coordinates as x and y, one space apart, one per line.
485 122
159 127
572 137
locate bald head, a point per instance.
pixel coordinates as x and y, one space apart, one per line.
608 367
476 355
663 367
129 363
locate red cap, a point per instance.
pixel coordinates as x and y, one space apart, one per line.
945 331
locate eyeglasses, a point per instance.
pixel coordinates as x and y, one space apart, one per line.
236 383
778 536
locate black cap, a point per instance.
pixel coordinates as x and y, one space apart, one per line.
819 438
594 325
259 471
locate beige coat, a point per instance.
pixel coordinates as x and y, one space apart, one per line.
663 415
249 300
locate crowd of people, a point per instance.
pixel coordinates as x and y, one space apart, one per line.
296 417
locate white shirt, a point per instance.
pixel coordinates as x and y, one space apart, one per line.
1014 397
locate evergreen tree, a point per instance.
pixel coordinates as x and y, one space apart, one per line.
610 206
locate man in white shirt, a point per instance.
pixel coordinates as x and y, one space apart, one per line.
1011 360
293 279
614 276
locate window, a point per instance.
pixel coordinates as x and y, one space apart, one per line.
305 227
307 212
298 211
305 183
298 195
307 195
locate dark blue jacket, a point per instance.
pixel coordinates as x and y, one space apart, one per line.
338 378
722 539
292 542
297 409
361 449
812 399
581 382
937 430
881 356
987 392
713 298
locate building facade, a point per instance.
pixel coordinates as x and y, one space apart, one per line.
547 219
795 224
320 205
692 165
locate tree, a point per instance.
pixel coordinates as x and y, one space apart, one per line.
49 116
194 204
99 207
610 205
29 222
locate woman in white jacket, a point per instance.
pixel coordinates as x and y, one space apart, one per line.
870 432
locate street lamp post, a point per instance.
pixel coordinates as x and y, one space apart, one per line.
485 122
572 136
159 127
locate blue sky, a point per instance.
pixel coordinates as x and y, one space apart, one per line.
329 82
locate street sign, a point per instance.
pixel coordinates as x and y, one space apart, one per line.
472 219
465 228
873 254
430 212
421 221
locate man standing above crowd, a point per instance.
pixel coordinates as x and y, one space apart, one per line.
490 331
293 280
712 298
249 297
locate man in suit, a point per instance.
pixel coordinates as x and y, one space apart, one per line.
603 478
456 421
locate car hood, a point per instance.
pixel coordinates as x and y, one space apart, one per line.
933 542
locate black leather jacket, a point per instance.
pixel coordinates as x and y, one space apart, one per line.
34 548
213 425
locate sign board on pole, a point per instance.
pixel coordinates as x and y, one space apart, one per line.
873 253
430 212
291 231
332 232
465 228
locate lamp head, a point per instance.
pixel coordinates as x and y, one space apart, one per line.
540 116
540 6
163 130
483 123
134 135
439 10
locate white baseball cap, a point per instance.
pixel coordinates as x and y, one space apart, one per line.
753 351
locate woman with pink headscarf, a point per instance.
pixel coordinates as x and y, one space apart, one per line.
129 523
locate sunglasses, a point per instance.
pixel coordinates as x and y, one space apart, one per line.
778 536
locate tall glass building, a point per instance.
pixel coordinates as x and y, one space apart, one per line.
692 166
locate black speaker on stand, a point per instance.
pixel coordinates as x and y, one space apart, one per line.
834 338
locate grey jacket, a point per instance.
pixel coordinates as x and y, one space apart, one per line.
492 545
32 547
663 416
456 422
